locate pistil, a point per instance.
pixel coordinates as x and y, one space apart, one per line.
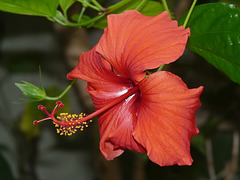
68 124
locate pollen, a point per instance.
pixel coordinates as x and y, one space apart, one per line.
73 123
66 124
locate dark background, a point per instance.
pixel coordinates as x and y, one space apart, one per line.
39 153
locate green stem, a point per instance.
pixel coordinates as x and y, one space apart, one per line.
141 5
117 6
84 3
189 14
97 4
161 67
86 23
59 21
62 94
148 72
166 8
81 14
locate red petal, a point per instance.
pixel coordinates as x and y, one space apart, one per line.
116 124
133 42
166 118
97 72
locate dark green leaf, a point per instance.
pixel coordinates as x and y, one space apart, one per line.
30 7
215 35
152 8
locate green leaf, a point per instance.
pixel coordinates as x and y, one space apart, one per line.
152 8
215 35
65 4
31 90
30 7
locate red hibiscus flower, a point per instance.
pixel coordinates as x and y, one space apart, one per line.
152 114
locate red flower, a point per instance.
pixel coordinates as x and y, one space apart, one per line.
154 114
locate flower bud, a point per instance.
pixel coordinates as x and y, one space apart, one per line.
31 90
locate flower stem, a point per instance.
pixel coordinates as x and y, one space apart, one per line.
141 5
97 4
166 8
189 14
161 67
62 94
84 3
81 14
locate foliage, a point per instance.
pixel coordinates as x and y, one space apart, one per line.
215 35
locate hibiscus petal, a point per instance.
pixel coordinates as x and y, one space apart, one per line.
116 126
104 86
166 118
97 72
133 43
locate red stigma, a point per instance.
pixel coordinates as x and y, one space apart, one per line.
40 107
66 124
58 103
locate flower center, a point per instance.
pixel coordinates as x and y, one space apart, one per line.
67 124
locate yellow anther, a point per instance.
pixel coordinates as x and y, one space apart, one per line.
63 114
72 121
